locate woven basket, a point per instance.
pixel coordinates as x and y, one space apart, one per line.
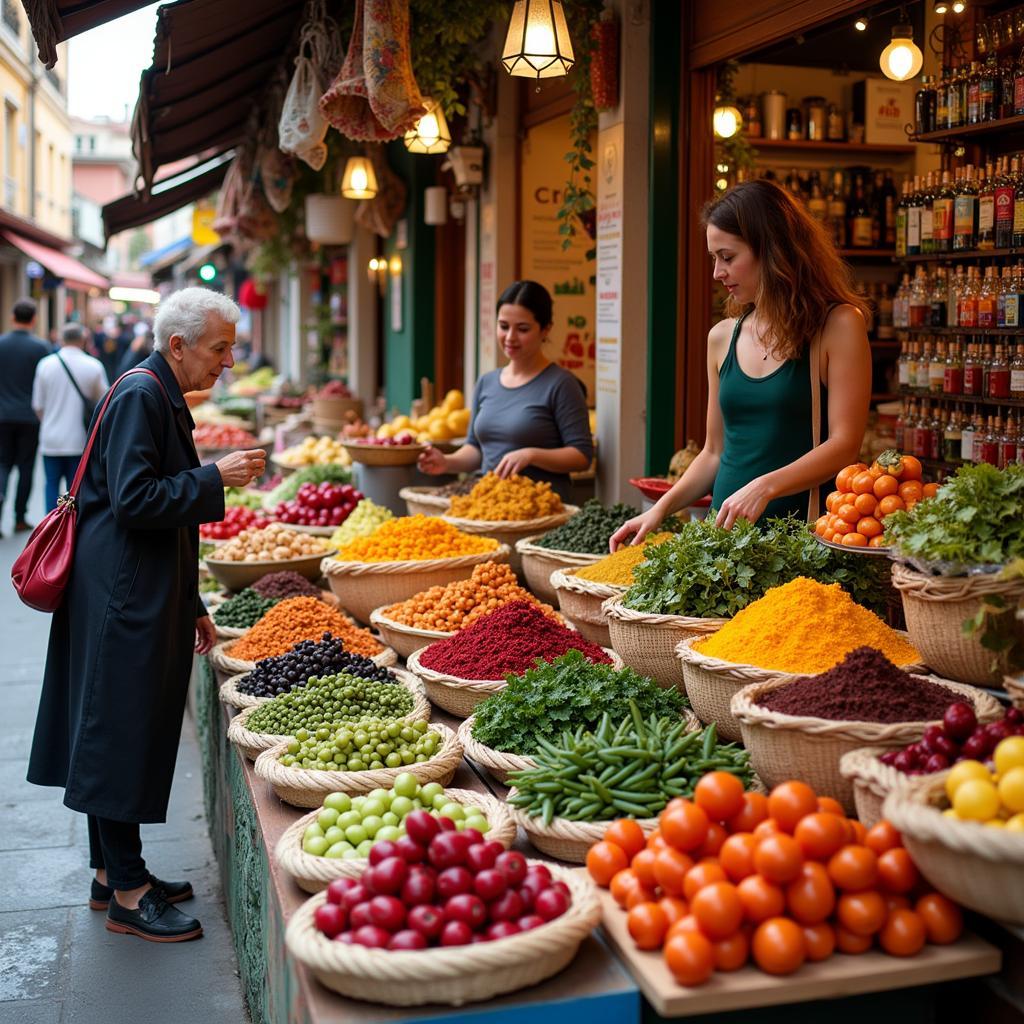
872 781
252 744
780 743
1014 686
648 642
221 659
424 501
581 601
315 873
453 976
511 531
460 696
230 632
402 638
233 697
936 608
363 586
306 787
979 867
539 563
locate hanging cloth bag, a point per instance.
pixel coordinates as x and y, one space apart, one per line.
302 127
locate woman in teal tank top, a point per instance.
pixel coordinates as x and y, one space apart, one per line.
793 323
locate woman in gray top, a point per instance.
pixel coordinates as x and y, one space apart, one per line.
530 416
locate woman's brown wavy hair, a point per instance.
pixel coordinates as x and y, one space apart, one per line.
802 276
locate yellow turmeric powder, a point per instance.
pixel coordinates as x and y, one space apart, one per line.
804 627
617 569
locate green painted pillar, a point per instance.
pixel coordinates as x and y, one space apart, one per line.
409 313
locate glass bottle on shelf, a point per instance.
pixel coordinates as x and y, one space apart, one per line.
973 376
990 441
967 436
985 355
956 287
939 296
979 437
928 215
1017 241
965 212
901 304
987 299
919 432
887 211
953 378
859 216
924 361
1012 299
920 304
952 437
967 303
914 218
973 93
956 100
987 210
884 328
901 221
900 428
938 429
999 374
837 210
1008 442
912 363
903 365
1005 186
925 103
1005 88
1002 291
942 215
817 205
942 101
1018 85
937 368
988 86
1017 372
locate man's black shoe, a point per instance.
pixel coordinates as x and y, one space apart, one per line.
155 920
174 892
22 527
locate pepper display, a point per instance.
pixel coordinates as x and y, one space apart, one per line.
506 642
864 687
617 568
285 584
589 530
513 498
804 627
243 610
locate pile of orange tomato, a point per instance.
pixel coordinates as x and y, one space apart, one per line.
732 877
865 495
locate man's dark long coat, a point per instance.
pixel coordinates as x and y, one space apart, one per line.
121 644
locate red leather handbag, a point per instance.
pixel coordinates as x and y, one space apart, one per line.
40 573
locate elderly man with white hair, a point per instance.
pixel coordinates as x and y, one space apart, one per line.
120 652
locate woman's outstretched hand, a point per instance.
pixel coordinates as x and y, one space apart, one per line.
431 461
636 528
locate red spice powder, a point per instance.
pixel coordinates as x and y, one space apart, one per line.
509 640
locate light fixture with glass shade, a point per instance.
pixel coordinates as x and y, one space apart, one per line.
861 24
359 180
726 121
902 58
430 133
537 44
940 6
959 6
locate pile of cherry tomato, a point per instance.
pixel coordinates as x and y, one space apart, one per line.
222 435
733 877
236 519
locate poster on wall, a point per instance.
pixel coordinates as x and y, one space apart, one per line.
609 173
566 273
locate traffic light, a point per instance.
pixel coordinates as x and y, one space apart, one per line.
207 272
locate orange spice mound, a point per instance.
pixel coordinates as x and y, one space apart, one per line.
456 605
300 618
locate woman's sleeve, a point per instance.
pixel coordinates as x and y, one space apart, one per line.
140 498
569 406
471 437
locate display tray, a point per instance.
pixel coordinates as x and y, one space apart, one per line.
652 487
384 455
839 976
884 552
317 531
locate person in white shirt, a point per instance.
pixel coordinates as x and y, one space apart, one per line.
62 381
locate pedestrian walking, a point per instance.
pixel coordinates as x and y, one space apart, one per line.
20 354
68 384
139 349
120 651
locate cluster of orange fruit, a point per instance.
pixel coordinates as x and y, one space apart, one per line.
865 495
780 880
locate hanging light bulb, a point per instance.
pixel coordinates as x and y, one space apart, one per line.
726 121
861 24
902 58
959 6
537 44
430 133
359 180
940 6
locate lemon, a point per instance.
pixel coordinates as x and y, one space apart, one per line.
950 813
961 772
1011 788
455 399
976 800
1009 754
995 823
1016 823
401 422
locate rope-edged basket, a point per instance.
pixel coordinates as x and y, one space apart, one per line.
252 744
402 638
230 632
979 867
363 586
511 531
872 781
777 743
539 563
424 501
460 696
220 658
936 608
647 642
314 874
307 787
1014 686
711 683
454 975
580 601
230 694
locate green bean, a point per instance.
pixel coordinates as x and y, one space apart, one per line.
710 738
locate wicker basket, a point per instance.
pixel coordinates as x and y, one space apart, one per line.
220 658
402 638
453 976
233 697
648 642
539 563
364 586
979 867
779 743
460 696
872 781
511 531
936 608
1014 686
315 873
230 632
581 601
306 787
424 501
252 744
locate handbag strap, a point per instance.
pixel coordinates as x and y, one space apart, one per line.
814 495
84 461
71 377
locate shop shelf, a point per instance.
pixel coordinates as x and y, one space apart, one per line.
973 331
1004 403
809 146
967 131
867 254
962 254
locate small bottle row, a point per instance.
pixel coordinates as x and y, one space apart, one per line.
971 93
957 367
965 296
960 435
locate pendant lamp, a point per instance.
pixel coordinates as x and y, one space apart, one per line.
902 58
430 133
359 180
537 44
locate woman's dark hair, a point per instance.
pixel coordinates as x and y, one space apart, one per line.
802 275
532 296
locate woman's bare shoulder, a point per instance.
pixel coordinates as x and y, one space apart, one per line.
721 333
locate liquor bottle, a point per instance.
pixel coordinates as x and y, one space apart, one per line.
938 297
942 215
817 205
1018 212
1007 76
1018 85
956 287
988 86
1003 291
986 210
912 363
914 219
903 366
920 303
1017 373
967 304
989 449
884 328
999 374
887 211
942 101
987 299
928 215
956 100
973 375
936 428
1005 187
925 103
901 220
900 428
837 210
979 437
1008 442
937 368
952 437
901 304
965 212
919 435
974 93
967 436
953 378
859 217
1013 297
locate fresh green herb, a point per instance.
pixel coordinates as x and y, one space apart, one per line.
589 530
567 693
